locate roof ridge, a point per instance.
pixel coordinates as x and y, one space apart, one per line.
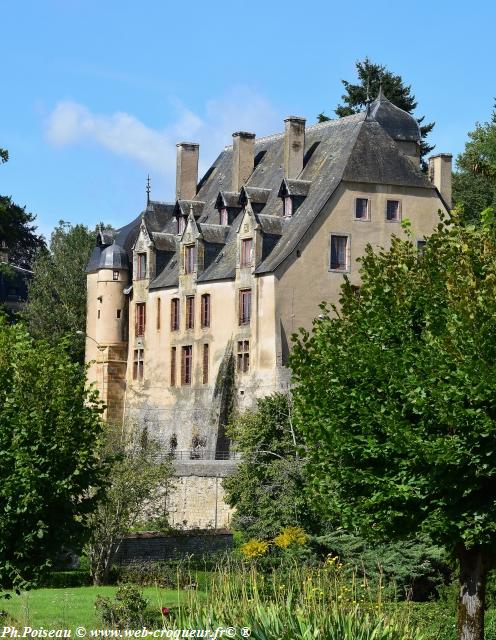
312 127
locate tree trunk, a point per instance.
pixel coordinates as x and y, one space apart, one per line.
474 565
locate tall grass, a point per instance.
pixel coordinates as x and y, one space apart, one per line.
299 603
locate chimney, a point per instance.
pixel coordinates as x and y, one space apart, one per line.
294 146
243 158
4 252
440 174
186 170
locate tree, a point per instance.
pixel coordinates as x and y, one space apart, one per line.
370 77
50 471
396 401
267 487
136 483
59 284
474 183
17 229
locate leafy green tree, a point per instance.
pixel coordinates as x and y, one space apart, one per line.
370 77
267 488
136 483
474 182
59 285
396 401
50 471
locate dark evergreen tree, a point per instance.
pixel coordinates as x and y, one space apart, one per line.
17 229
370 78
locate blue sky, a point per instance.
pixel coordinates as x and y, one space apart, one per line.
95 94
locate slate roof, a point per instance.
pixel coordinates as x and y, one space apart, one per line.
358 148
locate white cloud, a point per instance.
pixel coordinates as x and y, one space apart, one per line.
71 123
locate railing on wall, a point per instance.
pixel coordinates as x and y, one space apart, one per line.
197 454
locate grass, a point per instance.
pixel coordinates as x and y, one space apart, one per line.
69 608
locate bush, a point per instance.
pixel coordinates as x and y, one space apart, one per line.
160 574
410 569
66 579
129 609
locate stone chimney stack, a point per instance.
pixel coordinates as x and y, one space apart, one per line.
440 174
294 146
187 170
243 158
4 252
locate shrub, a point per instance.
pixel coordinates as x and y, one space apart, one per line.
254 548
160 574
66 579
129 609
290 536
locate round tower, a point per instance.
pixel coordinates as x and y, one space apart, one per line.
112 277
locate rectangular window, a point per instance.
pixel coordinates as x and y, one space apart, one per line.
288 207
244 306
141 266
246 252
393 210
189 258
115 275
205 310
158 314
339 253
118 313
98 314
362 209
421 246
243 361
140 319
186 365
175 314
205 364
138 365
190 312
223 217
173 367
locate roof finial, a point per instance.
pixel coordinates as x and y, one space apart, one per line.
381 92
148 190
367 98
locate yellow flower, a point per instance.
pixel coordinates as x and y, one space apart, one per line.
254 548
289 536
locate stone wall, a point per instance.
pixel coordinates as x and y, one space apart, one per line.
197 498
155 547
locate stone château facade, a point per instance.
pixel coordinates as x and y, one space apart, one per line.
191 306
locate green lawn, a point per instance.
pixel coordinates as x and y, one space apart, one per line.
69 608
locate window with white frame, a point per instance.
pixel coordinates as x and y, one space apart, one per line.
393 210
339 258
362 209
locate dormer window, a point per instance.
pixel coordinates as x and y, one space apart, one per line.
181 224
287 206
223 217
141 266
246 252
189 258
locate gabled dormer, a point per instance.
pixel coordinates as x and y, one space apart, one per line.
256 196
248 241
191 249
228 206
143 255
182 210
292 194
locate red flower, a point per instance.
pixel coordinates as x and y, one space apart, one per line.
165 611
